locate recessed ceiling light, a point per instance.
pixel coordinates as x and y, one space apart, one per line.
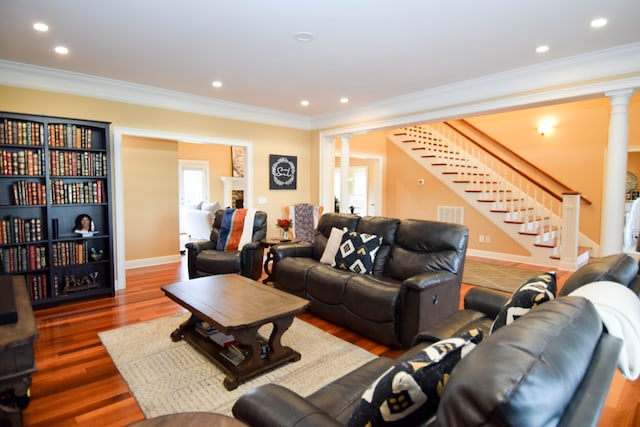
344 100
40 26
542 49
61 50
216 84
304 103
598 22
304 37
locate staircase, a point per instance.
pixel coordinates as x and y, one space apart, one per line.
523 208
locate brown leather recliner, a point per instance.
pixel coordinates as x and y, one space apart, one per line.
205 260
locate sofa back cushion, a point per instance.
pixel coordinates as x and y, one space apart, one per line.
325 224
619 268
423 246
525 374
387 228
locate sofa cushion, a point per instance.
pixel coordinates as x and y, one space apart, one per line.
373 298
327 284
357 252
519 378
385 228
409 392
290 274
325 224
529 295
619 268
218 262
332 246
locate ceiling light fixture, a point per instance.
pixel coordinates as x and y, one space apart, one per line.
542 49
40 26
304 37
545 127
217 84
344 100
61 50
598 22
304 103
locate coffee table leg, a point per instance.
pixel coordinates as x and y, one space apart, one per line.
177 335
280 326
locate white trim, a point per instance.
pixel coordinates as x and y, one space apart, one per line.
530 85
148 262
378 177
118 212
60 81
522 86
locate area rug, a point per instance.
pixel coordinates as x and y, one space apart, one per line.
167 377
495 276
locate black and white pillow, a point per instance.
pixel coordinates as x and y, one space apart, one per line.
357 252
409 392
531 294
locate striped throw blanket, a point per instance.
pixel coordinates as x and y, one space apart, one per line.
236 229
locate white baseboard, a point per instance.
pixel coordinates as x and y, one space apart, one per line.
503 257
148 262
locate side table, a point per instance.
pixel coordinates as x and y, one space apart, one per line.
268 262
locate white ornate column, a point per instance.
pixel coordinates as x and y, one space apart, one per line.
344 174
612 225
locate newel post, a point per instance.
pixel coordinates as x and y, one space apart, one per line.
570 231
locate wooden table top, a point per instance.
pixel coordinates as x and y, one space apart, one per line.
232 301
274 241
190 419
25 330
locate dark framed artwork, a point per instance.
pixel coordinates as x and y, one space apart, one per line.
283 172
237 162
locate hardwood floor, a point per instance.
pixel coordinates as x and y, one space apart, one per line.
77 383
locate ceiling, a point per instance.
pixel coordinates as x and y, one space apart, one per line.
366 50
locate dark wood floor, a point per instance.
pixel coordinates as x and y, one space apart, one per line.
77 383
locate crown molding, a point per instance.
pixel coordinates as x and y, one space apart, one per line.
54 80
562 79
539 83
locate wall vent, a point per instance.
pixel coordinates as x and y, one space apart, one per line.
452 214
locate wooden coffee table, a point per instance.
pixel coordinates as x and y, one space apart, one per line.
237 306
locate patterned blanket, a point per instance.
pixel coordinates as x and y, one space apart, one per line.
236 229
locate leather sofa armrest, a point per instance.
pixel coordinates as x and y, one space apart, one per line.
423 281
487 301
274 405
196 247
251 256
283 250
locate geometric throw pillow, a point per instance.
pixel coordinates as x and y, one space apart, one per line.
531 294
333 243
409 393
357 252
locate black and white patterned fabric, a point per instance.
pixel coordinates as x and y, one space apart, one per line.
409 393
357 252
531 294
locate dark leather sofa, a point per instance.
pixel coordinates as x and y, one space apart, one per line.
550 367
415 281
204 260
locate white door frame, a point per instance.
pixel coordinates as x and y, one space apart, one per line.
375 179
118 185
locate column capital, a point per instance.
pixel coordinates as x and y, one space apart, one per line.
620 93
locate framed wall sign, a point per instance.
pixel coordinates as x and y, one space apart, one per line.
283 172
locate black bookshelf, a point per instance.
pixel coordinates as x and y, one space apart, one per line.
53 170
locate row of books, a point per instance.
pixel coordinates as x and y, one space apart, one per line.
37 284
23 258
29 193
71 163
21 133
69 253
69 136
76 192
20 230
208 331
22 162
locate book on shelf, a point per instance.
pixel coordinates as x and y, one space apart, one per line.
63 193
208 331
16 132
23 258
37 284
20 230
66 163
28 193
66 135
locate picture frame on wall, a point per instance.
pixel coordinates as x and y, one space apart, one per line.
237 162
283 172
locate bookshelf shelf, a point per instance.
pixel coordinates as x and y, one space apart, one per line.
53 171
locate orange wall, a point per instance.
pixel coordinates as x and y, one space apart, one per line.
219 159
150 175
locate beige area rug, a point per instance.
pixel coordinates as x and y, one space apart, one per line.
167 377
495 276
